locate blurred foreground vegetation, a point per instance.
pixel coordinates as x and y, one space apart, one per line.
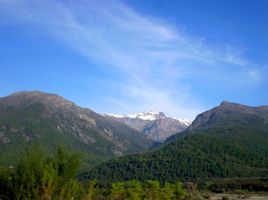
38 176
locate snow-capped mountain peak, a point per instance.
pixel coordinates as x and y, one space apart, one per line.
151 115
155 125
114 115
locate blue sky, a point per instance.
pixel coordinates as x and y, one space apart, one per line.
178 56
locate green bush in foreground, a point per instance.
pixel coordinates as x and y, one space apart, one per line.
37 176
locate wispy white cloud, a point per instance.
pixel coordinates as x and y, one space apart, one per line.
153 55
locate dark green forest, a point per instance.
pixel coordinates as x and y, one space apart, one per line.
237 151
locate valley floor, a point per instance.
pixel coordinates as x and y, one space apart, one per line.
236 196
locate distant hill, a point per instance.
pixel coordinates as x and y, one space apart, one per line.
155 125
50 120
230 140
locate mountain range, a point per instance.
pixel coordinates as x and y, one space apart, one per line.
230 140
50 120
155 125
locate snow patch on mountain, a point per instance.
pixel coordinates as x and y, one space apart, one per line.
151 115
114 115
186 122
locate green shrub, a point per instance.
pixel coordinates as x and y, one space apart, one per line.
38 176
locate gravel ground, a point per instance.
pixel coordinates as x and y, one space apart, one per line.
240 196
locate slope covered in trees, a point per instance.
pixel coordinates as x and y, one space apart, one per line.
228 141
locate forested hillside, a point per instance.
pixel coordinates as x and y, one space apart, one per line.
50 120
237 149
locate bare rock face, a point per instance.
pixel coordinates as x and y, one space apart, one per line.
160 129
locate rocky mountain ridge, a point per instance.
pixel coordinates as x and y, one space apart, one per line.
155 125
227 114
